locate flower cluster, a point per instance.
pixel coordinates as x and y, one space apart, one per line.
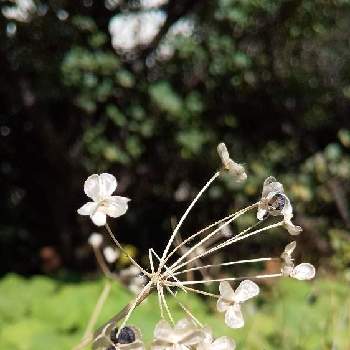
184 257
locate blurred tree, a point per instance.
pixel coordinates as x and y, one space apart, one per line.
270 78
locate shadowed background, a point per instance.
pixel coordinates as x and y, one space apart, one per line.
145 90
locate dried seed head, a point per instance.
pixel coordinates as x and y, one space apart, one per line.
274 202
233 168
277 202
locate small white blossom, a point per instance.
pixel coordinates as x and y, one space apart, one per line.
182 337
95 240
303 271
274 202
222 343
230 300
100 188
233 168
111 254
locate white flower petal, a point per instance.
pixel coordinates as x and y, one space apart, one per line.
95 240
116 206
226 291
291 228
87 209
108 185
180 347
223 153
161 345
246 290
287 210
261 213
271 185
184 323
222 305
289 248
287 269
163 331
98 218
92 187
110 254
234 317
303 271
208 335
223 343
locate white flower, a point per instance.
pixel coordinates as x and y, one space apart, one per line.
303 271
100 188
274 202
184 335
233 168
230 300
222 343
95 240
111 254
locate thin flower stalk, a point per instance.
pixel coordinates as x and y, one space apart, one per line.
124 251
166 305
185 283
103 266
98 308
187 311
236 214
160 301
245 261
176 265
200 193
167 269
211 235
198 291
137 301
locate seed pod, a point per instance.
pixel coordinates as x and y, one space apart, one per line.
126 336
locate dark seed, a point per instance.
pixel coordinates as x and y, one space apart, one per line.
126 336
111 348
113 336
277 202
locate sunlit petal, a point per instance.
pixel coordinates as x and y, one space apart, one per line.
222 305
92 187
246 290
226 291
116 206
234 317
108 185
87 209
98 218
304 271
223 343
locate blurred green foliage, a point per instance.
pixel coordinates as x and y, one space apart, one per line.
270 78
39 312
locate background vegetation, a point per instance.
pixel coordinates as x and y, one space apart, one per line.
270 78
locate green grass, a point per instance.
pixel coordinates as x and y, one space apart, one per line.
42 313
